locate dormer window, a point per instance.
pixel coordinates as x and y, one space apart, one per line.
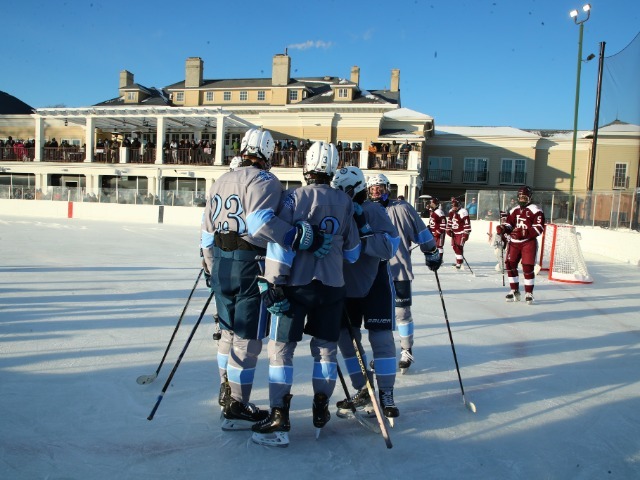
293 95
179 96
343 93
131 96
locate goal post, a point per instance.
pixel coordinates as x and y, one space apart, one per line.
560 254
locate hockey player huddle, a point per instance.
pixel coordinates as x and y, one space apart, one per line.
325 259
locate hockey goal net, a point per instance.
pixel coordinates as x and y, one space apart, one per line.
561 255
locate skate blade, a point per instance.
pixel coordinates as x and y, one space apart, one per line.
318 430
391 421
275 439
233 425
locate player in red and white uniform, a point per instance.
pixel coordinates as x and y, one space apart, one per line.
521 228
459 229
438 224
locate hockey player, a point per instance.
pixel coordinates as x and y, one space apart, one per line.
459 229
370 297
411 229
307 295
437 224
239 220
521 228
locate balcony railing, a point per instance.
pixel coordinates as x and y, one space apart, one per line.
475 176
513 178
18 153
439 176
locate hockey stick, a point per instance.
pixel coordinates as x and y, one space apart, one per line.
370 389
144 379
362 420
468 266
470 405
175 367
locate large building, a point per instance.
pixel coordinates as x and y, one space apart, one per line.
123 144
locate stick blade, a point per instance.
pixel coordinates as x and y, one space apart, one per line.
471 406
144 379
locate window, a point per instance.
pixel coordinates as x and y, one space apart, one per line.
439 169
343 93
293 95
244 96
131 95
513 171
179 96
620 176
209 96
261 95
227 96
475 170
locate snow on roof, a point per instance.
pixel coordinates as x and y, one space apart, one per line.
484 132
406 114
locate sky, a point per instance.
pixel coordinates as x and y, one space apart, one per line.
473 63
87 311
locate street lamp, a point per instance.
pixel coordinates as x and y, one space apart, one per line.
574 14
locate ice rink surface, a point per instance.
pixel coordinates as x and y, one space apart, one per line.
86 307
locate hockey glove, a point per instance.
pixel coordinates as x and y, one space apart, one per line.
361 221
310 238
205 270
273 297
433 259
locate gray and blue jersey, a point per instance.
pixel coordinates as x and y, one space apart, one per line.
332 211
381 245
412 230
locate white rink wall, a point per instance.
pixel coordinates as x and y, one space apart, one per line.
621 245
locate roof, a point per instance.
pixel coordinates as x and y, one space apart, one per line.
10 105
485 132
156 98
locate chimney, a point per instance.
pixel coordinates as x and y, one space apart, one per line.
126 78
193 73
281 70
355 75
395 80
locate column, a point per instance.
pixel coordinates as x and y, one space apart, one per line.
219 160
90 139
39 138
161 131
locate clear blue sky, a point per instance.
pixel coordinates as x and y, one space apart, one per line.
474 62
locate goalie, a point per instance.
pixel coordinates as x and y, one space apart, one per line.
521 227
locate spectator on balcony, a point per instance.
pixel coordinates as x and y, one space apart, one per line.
393 151
136 143
293 153
373 150
235 146
384 149
173 146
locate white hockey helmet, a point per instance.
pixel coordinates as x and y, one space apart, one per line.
235 163
322 157
258 143
378 179
350 180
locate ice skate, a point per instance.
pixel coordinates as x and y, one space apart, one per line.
513 296
528 297
241 416
273 431
362 402
320 409
388 406
406 359
224 396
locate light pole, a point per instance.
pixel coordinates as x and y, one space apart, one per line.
574 14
